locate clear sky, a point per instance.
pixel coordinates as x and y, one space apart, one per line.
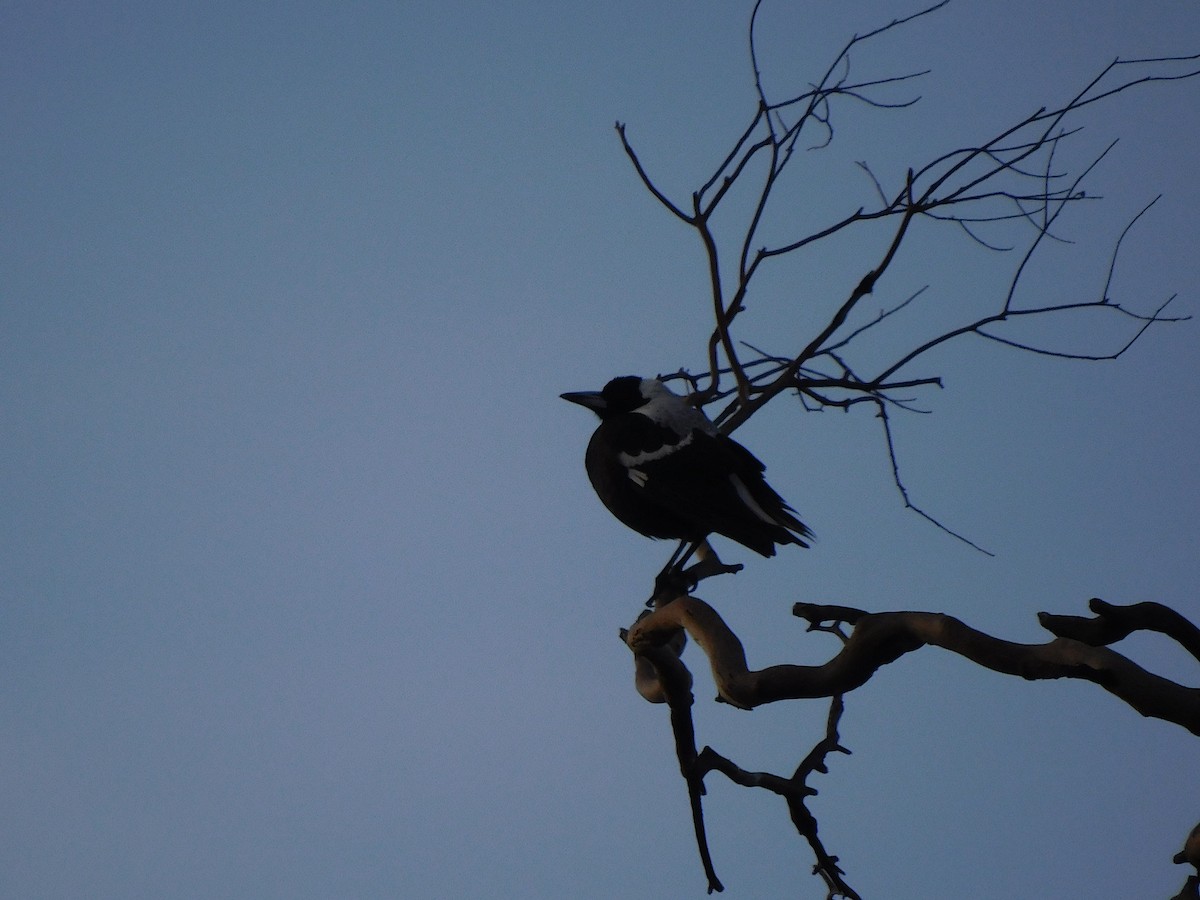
303 591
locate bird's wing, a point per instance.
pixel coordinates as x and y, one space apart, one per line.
640 441
717 484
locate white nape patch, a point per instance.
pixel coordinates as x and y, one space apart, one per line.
638 477
668 408
750 502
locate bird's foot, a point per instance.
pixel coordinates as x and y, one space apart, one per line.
708 569
708 565
672 583
669 584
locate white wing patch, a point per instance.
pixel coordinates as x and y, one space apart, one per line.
666 408
631 460
750 502
638 477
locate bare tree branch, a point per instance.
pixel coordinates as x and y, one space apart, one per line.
675 689
1079 651
882 638
1115 623
1006 193
637 165
1009 177
899 483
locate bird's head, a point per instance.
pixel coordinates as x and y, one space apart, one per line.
621 395
1191 850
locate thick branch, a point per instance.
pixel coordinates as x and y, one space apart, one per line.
672 684
881 638
1115 623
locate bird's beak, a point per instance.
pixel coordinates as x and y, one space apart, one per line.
593 400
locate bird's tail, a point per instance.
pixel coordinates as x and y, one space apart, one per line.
779 522
797 532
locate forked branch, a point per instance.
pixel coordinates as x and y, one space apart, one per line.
1006 193
1014 179
1079 651
881 638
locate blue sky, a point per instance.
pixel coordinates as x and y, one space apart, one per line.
303 591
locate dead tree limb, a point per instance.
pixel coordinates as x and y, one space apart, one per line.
663 678
1115 623
1019 181
1008 192
881 638
1079 650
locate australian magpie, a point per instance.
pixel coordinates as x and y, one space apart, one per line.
663 469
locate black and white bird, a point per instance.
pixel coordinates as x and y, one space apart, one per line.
663 469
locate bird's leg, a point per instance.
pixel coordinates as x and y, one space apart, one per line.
674 579
681 555
671 582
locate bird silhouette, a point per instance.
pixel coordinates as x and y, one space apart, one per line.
662 468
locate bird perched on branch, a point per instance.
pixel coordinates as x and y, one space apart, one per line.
663 469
